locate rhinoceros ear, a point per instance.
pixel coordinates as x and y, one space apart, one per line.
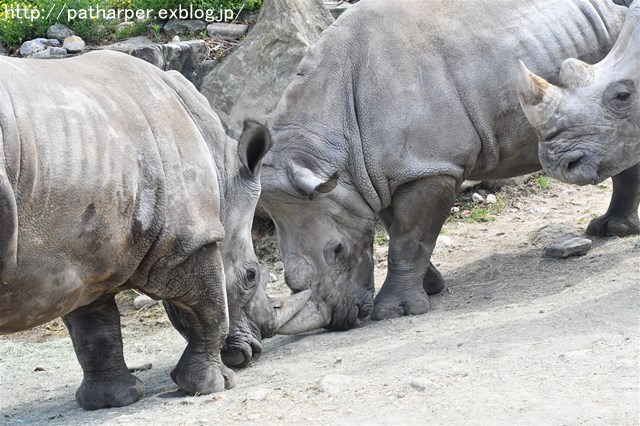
575 73
254 143
308 183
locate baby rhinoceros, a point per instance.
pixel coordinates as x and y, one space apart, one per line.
116 175
589 127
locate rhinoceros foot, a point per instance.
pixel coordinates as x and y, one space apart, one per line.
393 304
124 390
614 224
201 373
433 282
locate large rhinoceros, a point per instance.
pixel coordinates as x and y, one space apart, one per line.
589 127
394 106
116 175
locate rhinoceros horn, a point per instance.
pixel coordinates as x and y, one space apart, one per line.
308 183
309 318
285 309
575 73
538 98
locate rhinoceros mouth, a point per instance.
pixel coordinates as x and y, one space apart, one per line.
575 167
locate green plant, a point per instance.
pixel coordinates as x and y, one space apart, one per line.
479 214
542 180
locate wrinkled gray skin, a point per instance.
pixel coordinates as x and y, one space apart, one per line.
116 175
589 127
391 110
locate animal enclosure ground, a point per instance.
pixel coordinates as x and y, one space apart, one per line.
517 338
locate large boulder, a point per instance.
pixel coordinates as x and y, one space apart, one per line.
250 81
184 57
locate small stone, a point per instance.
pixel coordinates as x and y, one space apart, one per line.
455 209
333 384
278 265
422 385
30 47
50 53
176 39
73 44
178 26
144 301
477 198
59 32
38 369
226 31
491 199
142 367
567 246
258 394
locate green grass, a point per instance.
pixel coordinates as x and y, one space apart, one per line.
542 181
22 20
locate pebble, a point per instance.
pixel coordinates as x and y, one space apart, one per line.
491 199
477 198
422 385
59 32
455 209
569 245
30 47
278 265
176 39
73 44
258 394
144 301
333 384
226 31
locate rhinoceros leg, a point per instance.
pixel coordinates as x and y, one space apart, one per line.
622 216
416 215
95 332
433 283
195 292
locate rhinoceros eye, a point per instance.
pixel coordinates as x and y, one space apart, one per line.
624 96
251 274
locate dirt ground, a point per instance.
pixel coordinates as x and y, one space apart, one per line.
517 339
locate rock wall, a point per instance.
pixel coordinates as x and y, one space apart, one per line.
250 81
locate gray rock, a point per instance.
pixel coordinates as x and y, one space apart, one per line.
333 384
421 385
248 16
175 39
265 62
127 46
178 26
550 233
30 47
278 266
568 245
74 44
336 7
184 57
51 53
59 32
226 31
144 301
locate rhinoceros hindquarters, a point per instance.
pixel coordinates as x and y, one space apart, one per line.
95 332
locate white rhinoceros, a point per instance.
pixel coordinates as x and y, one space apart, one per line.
117 175
392 108
589 127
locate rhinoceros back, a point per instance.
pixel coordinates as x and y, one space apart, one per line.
106 165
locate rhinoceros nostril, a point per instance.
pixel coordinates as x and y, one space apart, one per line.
572 161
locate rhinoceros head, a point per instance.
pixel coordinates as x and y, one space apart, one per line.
589 127
253 315
326 241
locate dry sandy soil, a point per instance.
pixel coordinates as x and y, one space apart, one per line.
517 339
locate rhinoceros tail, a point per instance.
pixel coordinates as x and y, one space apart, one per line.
8 225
